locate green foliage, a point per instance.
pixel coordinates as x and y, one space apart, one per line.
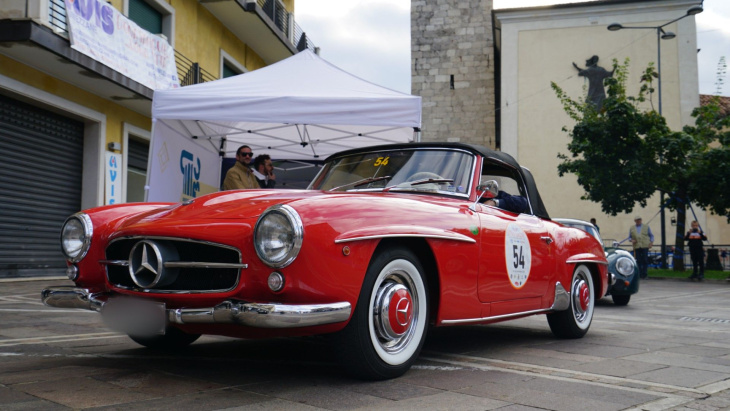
709 174
622 155
614 152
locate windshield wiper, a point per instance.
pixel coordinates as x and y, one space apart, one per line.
362 182
417 183
432 180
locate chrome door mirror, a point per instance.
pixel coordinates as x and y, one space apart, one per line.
489 189
486 189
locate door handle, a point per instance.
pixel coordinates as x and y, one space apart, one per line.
547 239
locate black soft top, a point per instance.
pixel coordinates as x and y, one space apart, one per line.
538 207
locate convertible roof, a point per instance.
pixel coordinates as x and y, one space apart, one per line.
538 207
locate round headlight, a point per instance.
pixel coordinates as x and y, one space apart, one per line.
76 237
625 266
278 236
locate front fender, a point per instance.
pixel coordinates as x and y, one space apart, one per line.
598 262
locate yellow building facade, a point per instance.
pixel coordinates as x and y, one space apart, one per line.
68 123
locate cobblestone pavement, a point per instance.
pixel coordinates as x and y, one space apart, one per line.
669 349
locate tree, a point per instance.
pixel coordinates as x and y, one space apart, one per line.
622 154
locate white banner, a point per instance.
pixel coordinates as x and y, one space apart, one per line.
113 180
179 168
99 31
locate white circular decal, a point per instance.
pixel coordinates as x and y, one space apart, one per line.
517 255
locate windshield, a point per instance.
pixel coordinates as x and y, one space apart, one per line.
434 170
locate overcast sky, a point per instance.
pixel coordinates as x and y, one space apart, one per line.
372 38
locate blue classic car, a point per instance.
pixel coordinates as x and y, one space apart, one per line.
622 269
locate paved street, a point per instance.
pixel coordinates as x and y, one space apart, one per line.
668 349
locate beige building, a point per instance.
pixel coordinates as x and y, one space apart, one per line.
522 115
74 132
537 46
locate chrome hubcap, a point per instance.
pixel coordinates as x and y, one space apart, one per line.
581 294
395 312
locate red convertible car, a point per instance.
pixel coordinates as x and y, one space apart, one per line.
386 242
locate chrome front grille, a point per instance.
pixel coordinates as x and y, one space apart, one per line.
172 265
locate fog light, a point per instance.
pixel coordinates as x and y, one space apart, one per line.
276 281
72 272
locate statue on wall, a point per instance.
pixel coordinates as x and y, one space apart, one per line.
595 76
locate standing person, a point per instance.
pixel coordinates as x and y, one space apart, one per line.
264 171
240 175
593 221
694 239
642 240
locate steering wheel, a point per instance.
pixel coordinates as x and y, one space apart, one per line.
424 175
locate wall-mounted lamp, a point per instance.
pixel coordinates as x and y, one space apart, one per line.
114 146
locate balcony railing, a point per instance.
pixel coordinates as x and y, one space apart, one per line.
284 21
57 16
190 72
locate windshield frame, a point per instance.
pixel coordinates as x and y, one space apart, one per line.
414 189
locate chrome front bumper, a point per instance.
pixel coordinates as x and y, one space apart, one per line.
228 312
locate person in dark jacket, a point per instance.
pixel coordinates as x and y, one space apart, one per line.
694 239
263 170
506 201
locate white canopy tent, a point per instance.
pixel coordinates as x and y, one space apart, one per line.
301 108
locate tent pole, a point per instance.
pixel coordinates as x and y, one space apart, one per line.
417 134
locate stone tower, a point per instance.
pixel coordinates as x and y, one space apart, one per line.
452 69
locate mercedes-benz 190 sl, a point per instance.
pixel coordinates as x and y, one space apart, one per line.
386 242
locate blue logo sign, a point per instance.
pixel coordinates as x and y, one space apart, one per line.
190 169
95 13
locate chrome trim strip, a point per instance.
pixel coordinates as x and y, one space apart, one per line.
122 263
179 264
439 237
585 261
228 312
496 317
200 264
160 291
263 315
561 302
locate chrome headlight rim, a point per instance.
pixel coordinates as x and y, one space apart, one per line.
297 228
88 232
625 266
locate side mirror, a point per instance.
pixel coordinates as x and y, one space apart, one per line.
486 189
489 189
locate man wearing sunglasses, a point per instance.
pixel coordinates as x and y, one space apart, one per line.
240 175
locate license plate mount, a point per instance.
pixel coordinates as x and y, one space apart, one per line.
135 316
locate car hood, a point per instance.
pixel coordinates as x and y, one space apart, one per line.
240 205
227 205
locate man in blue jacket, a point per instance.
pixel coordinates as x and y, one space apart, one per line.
506 201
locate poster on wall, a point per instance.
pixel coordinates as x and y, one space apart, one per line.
101 32
180 169
113 178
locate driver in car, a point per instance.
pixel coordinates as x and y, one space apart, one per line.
506 201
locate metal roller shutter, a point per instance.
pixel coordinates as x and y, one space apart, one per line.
40 185
137 155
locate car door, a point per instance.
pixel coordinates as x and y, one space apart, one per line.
516 261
